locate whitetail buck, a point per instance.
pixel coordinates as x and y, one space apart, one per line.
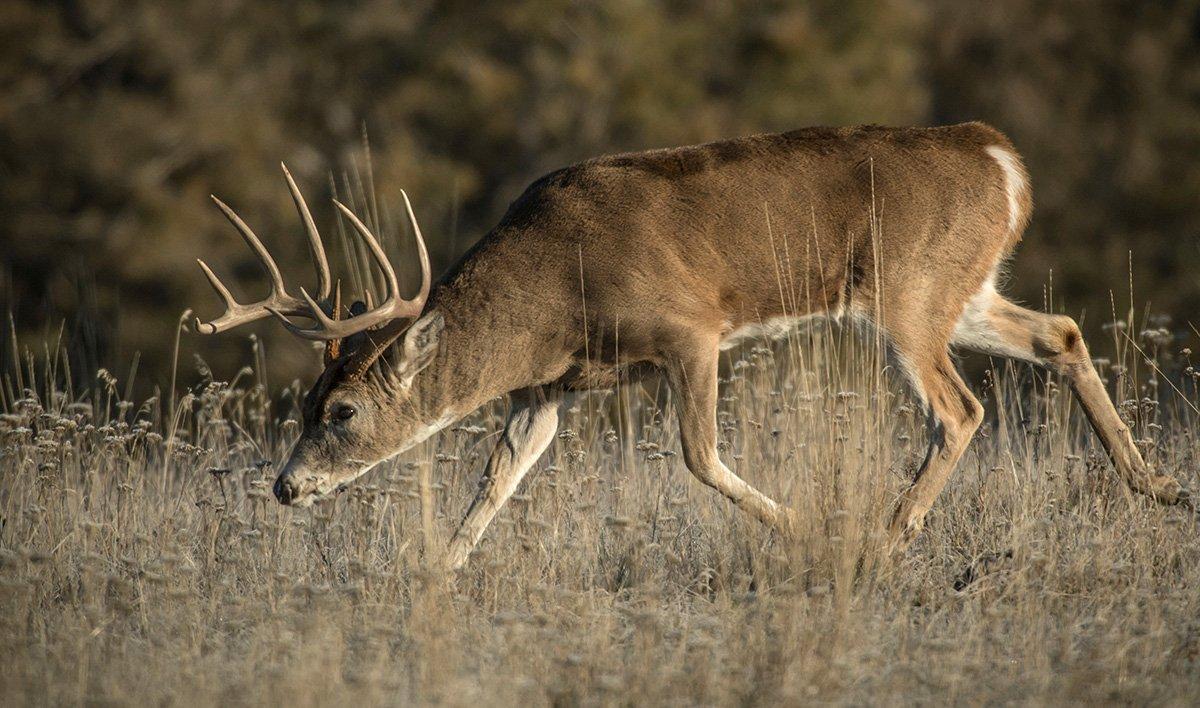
673 254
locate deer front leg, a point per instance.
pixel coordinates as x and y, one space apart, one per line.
692 375
528 432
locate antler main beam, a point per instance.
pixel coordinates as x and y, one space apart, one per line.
282 305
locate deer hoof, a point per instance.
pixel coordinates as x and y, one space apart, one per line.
1168 490
1184 497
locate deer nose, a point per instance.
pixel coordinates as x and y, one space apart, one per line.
285 489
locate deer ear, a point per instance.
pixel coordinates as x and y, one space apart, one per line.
421 343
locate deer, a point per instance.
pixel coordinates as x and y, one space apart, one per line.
655 262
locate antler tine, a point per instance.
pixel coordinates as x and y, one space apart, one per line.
391 284
217 285
231 305
255 245
423 254
315 247
333 348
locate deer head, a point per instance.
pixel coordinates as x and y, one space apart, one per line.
356 414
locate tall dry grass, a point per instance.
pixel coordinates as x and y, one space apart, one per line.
144 561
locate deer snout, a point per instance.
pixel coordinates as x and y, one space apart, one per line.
286 488
297 486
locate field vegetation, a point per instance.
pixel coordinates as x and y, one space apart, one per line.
143 560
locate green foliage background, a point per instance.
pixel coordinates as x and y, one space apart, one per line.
118 118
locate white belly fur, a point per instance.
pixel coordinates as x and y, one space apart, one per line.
774 328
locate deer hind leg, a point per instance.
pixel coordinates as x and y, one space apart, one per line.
993 325
692 376
953 416
527 434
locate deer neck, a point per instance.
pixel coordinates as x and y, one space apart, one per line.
474 365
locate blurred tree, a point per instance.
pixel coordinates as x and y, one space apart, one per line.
1103 99
117 119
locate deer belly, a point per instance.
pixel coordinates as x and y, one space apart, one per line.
769 329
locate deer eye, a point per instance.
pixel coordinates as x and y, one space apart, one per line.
344 412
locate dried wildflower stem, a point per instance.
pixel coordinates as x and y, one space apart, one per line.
184 318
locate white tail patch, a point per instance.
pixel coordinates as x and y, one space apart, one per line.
1016 183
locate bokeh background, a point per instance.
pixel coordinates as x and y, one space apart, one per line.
118 119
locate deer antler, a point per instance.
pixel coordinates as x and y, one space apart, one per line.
279 299
393 306
282 305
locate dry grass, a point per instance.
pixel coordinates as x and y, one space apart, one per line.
143 560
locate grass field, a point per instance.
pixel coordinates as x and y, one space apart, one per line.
143 559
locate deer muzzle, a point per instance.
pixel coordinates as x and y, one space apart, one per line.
285 489
296 486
